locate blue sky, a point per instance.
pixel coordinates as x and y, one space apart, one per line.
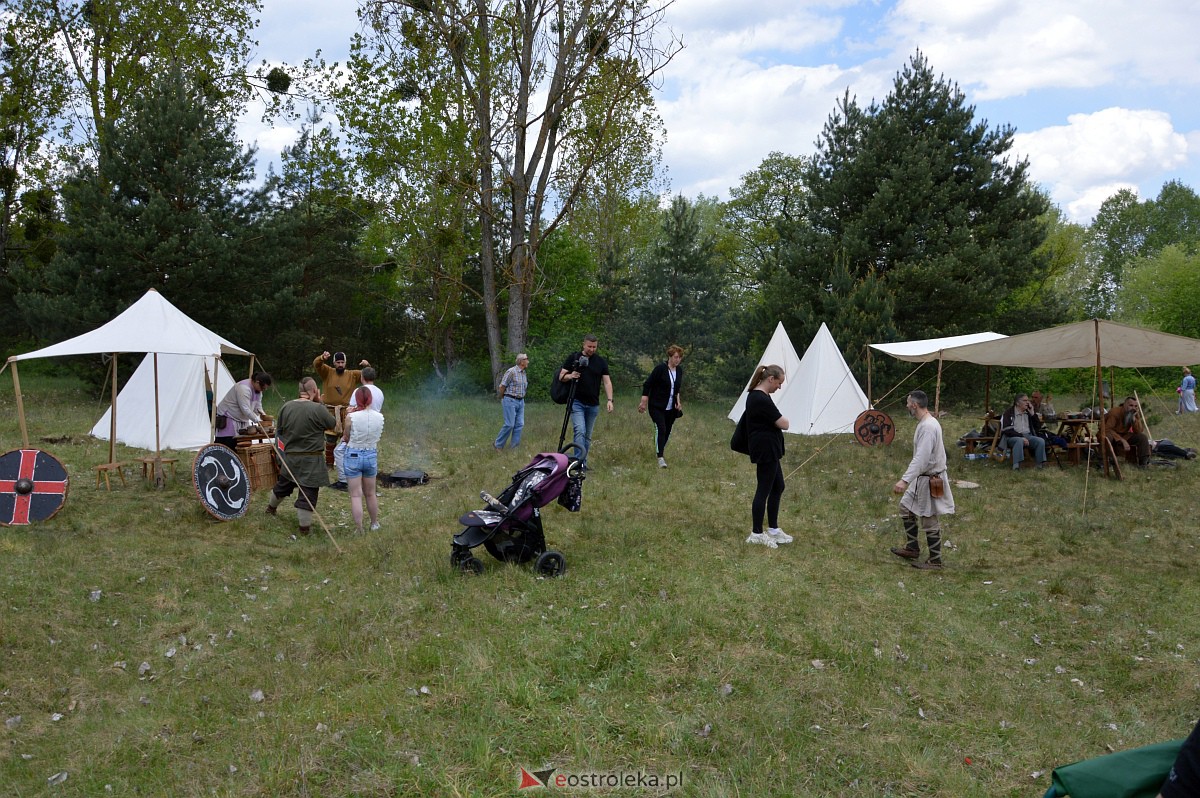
1102 93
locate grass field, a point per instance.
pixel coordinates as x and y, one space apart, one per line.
146 649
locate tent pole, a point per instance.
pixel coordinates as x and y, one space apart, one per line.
870 400
937 391
20 404
112 417
157 415
212 410
987 392
1100 379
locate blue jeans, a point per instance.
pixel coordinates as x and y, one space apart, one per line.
1017 445
514 421
361 463
583 419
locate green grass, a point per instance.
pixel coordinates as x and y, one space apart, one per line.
1063 626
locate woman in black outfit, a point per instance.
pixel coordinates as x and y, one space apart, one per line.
764 430
660 394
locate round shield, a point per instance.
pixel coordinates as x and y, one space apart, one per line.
874 427
221 482
33 486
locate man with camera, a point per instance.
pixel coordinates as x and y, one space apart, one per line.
589 372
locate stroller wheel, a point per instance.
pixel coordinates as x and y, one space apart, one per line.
550 563
457 555
471 565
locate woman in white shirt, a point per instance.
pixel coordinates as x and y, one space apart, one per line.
364 428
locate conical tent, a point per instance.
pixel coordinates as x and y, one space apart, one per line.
154 326
819 394
183 407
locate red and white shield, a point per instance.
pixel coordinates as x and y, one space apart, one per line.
33 486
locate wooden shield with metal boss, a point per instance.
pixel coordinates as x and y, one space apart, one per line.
874 427
221 482
33 487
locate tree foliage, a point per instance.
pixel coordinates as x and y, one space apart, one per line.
1163 291
915 193
1126 229
545 96
165 210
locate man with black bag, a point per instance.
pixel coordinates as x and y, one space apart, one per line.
589 372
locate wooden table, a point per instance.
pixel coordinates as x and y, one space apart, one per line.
1080 437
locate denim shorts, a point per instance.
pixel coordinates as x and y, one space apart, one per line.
361 463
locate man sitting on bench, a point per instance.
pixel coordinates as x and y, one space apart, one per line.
1021 427
1123 426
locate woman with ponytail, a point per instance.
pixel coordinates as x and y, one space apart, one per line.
764 429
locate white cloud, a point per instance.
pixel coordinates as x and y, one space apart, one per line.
1094 152
1006 48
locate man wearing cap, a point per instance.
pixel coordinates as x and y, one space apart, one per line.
337 388
337 382
512 389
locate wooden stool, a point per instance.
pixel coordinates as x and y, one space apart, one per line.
148 465
102 471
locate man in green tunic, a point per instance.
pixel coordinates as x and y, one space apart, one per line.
300 446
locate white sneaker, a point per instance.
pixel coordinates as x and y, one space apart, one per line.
778 535
662 463
763 539
375 527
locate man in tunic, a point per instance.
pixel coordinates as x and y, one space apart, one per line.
300 447
1123 427
918 508
337 388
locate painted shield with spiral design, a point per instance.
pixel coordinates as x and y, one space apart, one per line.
221 482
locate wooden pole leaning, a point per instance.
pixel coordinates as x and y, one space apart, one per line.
292 477
20 403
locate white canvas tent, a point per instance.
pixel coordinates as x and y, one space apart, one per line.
156 327
184 421
819 394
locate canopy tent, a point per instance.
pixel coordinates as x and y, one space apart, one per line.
151 325
929 349
184 416
1095 343
1084 344
819 395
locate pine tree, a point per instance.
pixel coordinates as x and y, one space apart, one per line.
918 193
167 210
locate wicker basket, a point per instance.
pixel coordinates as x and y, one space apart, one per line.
260 465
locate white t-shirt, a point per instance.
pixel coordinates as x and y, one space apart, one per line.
376 397
366 428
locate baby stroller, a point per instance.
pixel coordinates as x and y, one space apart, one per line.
510 526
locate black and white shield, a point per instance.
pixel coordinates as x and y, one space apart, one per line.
221 482
33 487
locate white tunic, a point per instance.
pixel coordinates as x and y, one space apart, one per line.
929 457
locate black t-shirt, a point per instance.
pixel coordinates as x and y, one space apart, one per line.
588 390
766 439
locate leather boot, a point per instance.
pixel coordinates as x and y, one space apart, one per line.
912 546
304 530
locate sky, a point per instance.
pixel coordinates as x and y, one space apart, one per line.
1102 94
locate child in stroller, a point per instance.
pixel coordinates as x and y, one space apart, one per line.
510 526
